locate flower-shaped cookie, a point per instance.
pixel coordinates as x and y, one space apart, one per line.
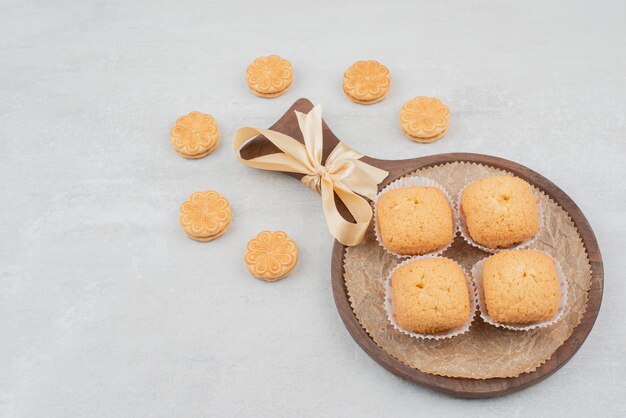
205 215
366 82
195 135
424 119
271 255
269 76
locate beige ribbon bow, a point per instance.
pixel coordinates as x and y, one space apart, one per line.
343 173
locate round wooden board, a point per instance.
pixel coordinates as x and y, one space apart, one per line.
472 388
466 388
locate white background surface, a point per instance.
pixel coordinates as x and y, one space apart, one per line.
107 309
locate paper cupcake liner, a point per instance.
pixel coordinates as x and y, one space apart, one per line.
465 233
477 274
389 308
409 182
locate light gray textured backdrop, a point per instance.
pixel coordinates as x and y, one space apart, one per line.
107 309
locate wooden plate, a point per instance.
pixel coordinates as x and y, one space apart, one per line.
467 388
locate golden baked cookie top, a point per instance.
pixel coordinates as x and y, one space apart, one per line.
195 134
500 211
430 295
424 117
520 287
366 81
414 220
269 75
271 255
205 215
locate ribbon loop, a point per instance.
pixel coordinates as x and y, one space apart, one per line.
344 174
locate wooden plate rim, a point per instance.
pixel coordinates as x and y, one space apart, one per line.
471 388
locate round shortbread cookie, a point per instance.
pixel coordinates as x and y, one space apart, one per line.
366 82
194 157
269 76
210 238
425 140
271 255
205 216
195 135
424 119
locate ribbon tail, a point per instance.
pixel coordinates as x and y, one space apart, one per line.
294 158
345 164
365 179
311 127
347 233
342 152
